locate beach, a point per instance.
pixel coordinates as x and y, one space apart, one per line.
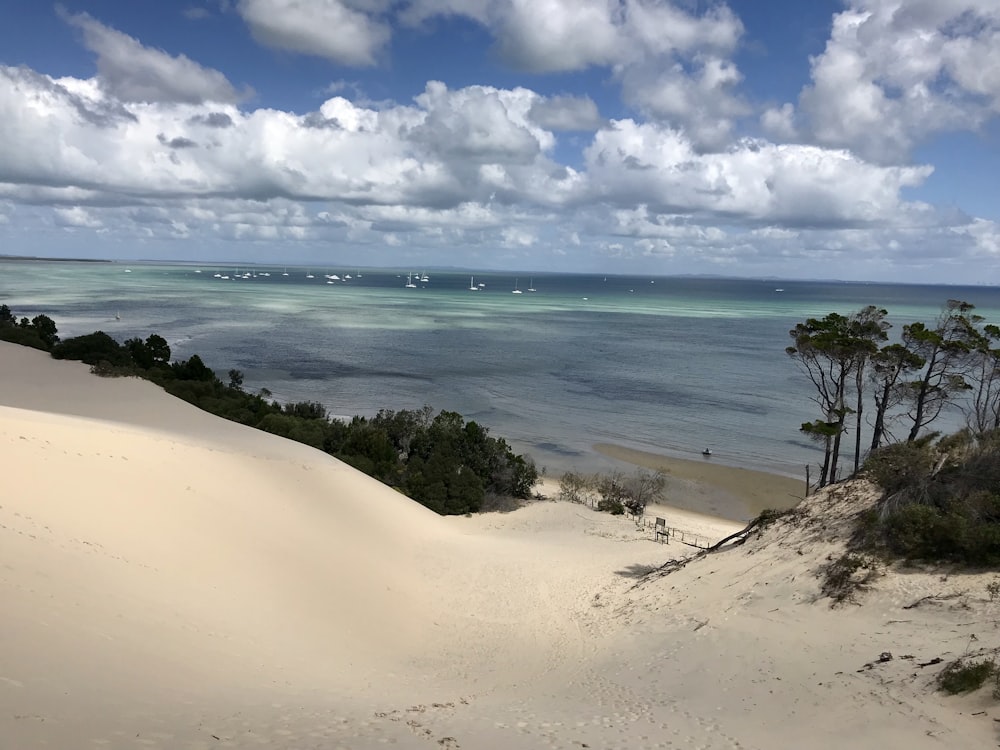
709 486
174 580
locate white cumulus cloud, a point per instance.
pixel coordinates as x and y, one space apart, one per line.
131 72
350 32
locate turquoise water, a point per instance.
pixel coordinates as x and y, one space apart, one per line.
669 365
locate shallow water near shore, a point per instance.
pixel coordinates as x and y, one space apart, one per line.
667 365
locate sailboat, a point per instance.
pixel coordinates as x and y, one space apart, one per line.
515 290
472 284
409 282
531 286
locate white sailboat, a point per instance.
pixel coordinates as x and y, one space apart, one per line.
515 290
472 284
409 282
531 286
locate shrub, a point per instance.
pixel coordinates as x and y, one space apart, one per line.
613 506
847 575
964 677
23 337
93 348
901 466
573 488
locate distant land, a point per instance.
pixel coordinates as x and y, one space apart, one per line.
55 260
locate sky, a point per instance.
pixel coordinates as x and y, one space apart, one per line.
854 139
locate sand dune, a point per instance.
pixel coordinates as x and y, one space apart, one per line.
172 580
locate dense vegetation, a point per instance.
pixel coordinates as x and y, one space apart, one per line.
442 461
941 495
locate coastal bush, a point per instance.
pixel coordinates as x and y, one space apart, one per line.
37 333
940 501
848 574
149 353
193 369
92 348
614 492
305 431
23 336
962 676
46 329
574 488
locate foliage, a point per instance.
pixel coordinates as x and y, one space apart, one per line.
940 502
770 516
24 336
37 333
848 574
833 352
152 352
963 676
615 492
993 588
93 348
574 488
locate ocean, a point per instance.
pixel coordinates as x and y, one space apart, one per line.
670 365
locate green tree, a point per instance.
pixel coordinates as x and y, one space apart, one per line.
984 378
192 369
139 353
92 348
889 369
158 349
868 327
46 328
826 350
945 349
236 380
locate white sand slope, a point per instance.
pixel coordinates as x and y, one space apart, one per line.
172 580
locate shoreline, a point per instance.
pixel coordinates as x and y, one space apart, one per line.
710 488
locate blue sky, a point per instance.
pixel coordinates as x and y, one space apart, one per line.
854 140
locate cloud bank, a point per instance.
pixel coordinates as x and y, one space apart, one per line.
156 147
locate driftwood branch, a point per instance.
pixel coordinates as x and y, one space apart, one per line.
671 566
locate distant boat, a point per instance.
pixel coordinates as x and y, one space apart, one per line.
409 282
472 284
707 452
779 290
118 316
285 272
128 270
515 290
531 286
424 278
310 276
